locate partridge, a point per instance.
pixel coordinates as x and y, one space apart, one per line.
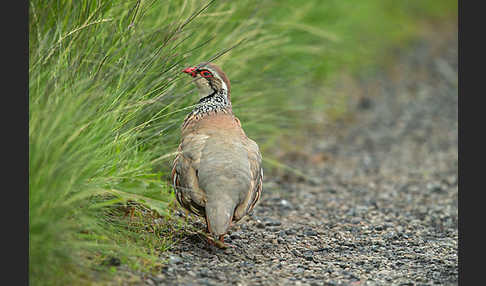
217 173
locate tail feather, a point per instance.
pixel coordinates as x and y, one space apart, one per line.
219 217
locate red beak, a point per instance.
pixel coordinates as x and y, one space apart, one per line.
191 71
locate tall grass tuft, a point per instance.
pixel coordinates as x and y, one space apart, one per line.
105 105
106 99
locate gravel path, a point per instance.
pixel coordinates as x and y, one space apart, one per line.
382 209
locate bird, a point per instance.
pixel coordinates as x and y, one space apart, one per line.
217 173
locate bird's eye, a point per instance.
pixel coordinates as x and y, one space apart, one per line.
205 74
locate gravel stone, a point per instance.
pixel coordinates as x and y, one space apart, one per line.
173 259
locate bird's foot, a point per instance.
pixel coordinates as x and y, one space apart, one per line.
221 244
218 243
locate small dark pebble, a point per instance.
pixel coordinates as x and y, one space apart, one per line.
111 261
332 191
365 103
308 256
235 235
271 222
310 232
379 227
290 231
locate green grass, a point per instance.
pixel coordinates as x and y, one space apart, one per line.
106 99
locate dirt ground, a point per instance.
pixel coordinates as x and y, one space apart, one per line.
378 205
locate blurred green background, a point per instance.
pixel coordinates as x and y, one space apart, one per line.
106 100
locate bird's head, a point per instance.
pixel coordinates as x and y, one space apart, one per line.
209 79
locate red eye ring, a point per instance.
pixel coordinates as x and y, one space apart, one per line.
205 74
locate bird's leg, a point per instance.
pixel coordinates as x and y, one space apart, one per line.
207 234
218 243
